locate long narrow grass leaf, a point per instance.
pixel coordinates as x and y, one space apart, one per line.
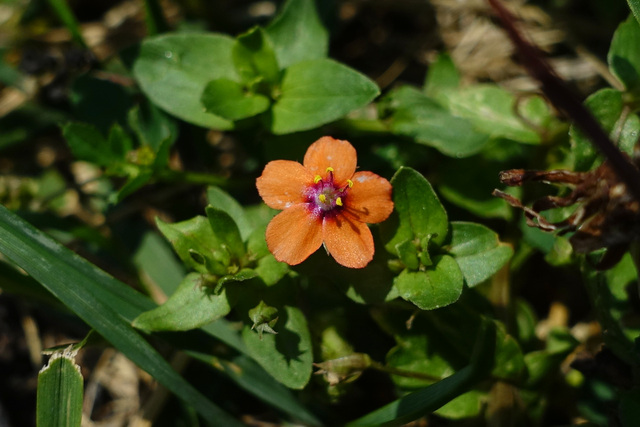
60 389
429 399
65 15
78 284
154 18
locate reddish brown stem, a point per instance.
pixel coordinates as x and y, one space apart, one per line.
557 91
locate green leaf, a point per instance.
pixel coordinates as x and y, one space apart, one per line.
152 126
88 144
60 391
429 399
317 92
419 212
545 363
635 8
420 353
226 232
154 18
120 142
478 251
191 306
466 405
509 362
104 303
408 254
416 116
173 70
229 99
623 56
433 288
240 276
196 245
286 356
628 136
271 270
606 105
136 180
610 302
492 110
161 158
254 58
298 34
221 200
442 76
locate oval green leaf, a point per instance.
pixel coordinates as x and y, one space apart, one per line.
220 199
173 70
478 251
317 92
419 117
254 58
492 110
287 355
419 213
606 105
229 99
226 232
433 288
624 56
191 306
87 143
196 245
298 34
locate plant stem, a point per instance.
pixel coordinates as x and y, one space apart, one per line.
557 91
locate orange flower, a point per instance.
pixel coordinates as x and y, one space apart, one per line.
325 201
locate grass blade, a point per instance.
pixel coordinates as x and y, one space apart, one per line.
65 14
99 300
429 399
60 389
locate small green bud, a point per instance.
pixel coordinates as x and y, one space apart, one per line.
264 318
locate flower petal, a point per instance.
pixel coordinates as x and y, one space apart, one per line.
335 153
349 242
294 234
369 200
283 182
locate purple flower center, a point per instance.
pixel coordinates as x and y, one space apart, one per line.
324 197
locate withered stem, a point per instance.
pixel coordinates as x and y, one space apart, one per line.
557 91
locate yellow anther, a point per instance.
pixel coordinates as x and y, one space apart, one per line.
339 201
322 198
317 179
329 169
350 183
